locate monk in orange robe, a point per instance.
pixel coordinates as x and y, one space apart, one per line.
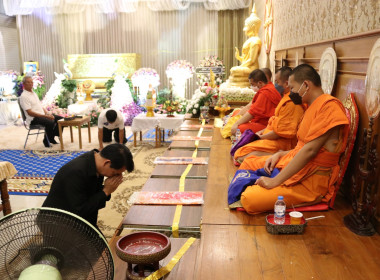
281 132
263 104
310 170
244 109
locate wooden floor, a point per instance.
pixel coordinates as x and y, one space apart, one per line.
235 245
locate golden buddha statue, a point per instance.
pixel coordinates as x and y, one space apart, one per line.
250 52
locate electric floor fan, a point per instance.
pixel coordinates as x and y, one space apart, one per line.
51 244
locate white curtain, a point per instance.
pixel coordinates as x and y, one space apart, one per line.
26 7
160 37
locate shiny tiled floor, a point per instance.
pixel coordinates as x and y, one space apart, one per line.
19 202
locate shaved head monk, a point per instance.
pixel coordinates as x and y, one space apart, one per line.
263 104
244 109
309 171
281 132
268 74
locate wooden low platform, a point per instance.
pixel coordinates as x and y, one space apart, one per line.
175 171
184 269
160 217
203 145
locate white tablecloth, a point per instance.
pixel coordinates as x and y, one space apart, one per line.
9 112
142 122
7 170
81 109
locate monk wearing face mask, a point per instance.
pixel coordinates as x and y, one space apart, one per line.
309 171
263 104
280 134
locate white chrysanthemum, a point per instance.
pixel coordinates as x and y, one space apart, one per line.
196 105
194 111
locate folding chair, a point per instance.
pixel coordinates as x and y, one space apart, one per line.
40 128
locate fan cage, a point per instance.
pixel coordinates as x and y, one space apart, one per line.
82 250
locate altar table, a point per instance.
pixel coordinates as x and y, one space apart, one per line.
159 122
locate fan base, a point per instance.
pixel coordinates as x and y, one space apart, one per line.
141 271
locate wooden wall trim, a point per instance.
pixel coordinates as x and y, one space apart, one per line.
352 73
340 59
334 40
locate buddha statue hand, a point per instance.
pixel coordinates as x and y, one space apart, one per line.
237 54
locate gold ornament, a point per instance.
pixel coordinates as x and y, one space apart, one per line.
88 87
212 79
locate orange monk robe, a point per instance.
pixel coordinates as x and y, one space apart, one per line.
284 123
316 180
263 106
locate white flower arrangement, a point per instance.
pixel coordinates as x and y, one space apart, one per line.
197 101
180 68
146 76
236 93
210 61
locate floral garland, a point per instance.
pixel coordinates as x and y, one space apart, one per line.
180 68
236 93
210 61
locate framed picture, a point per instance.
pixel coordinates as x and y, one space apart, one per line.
30 67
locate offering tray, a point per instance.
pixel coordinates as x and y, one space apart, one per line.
69 118
285 228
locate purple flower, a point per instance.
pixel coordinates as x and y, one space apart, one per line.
130 111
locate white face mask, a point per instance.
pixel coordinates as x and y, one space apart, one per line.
254 88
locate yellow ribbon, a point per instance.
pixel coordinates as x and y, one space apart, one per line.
177 217
178 210
199 134
166 269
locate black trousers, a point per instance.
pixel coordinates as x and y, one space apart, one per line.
51 126
107 135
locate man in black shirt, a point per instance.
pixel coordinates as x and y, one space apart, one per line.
78 185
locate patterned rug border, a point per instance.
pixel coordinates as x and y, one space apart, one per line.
25 192
35 174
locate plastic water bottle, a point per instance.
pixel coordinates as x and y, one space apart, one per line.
279 210
237 136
